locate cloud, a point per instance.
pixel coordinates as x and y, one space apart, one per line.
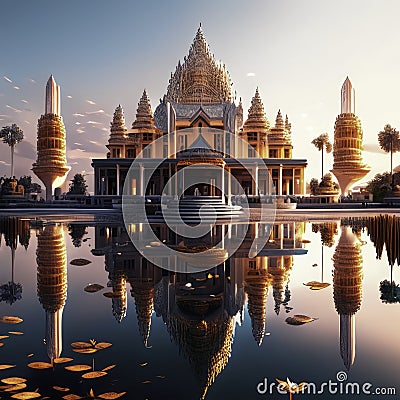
69 97
16 87
32 80
78 115
373 148
25 101
94 123
80 131
251 74
7 79
14 109
91 102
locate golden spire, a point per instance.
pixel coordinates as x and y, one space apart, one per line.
143 293
279 121
256 118
256 287
200 79
288 126
117 126
119 299
279 135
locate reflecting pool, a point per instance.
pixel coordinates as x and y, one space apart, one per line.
225 332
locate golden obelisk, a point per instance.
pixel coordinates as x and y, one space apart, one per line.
51 257
51 164
347 290
348 166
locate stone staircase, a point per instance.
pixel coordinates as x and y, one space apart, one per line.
201 209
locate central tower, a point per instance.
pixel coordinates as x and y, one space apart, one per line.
51 164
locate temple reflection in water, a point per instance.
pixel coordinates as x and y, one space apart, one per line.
200 310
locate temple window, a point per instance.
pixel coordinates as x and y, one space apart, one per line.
273 153
287 153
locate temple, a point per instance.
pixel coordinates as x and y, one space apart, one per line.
199 106
348 166
51 164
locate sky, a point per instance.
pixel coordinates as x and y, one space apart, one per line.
104 53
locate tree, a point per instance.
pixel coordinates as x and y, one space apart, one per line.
11 135
322 142
389 141
314 186
380 185
78 185
29 186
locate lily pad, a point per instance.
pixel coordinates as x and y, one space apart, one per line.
7 319
94 374
80 262
93 288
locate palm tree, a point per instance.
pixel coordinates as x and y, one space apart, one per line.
389 140
322 142
11 135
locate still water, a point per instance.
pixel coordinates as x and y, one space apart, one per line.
216 334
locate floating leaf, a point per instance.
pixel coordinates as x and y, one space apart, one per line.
108 368
6 366
30 355
78 368
1 344
16 333
4 337
299 320
110 295
81 345
61 389
85 351
320 286
102 345
315 285
160 376
62 360
10 320
93 288
94 374
111 395
13 380
26 395
146 382
143 364
80 262
16 387
72 397
40 365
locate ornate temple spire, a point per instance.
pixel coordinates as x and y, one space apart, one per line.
144 115
348 102
288 125
143 293
200 79
256 116
279 124
117 126
256 288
